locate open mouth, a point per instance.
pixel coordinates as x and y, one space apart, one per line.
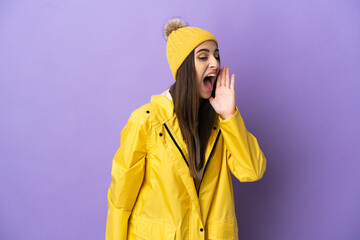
209 80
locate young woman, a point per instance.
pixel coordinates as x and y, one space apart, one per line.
171 177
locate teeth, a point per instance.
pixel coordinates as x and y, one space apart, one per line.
211 75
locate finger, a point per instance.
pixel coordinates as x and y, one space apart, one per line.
223 76
218 81
227 79
232 86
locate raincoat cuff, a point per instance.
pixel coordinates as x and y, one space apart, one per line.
229 119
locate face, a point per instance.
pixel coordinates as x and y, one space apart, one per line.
207 66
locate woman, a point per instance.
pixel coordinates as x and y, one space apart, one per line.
171 175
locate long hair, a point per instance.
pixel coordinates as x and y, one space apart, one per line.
194 114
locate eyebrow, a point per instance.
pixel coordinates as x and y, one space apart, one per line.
206 50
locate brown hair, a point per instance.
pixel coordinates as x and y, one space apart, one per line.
191 111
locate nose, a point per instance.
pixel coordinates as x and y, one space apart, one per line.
214 63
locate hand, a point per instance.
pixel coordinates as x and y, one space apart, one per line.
224 101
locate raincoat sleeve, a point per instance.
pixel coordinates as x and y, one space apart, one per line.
244 156
127 175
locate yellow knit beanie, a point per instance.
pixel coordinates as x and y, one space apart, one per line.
181 41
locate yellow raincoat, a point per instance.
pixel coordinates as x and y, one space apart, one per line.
153 196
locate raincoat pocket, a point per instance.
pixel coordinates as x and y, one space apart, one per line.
146 229
223 230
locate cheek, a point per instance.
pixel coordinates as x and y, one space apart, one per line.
199 71
198 74
199 78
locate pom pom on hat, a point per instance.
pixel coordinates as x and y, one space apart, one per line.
173 24
181 41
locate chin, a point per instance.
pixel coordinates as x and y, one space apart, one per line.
205 96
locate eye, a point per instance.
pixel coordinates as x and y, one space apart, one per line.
203 58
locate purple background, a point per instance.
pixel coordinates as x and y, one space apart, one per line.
71 73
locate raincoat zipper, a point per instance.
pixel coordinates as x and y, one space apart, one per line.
182 154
